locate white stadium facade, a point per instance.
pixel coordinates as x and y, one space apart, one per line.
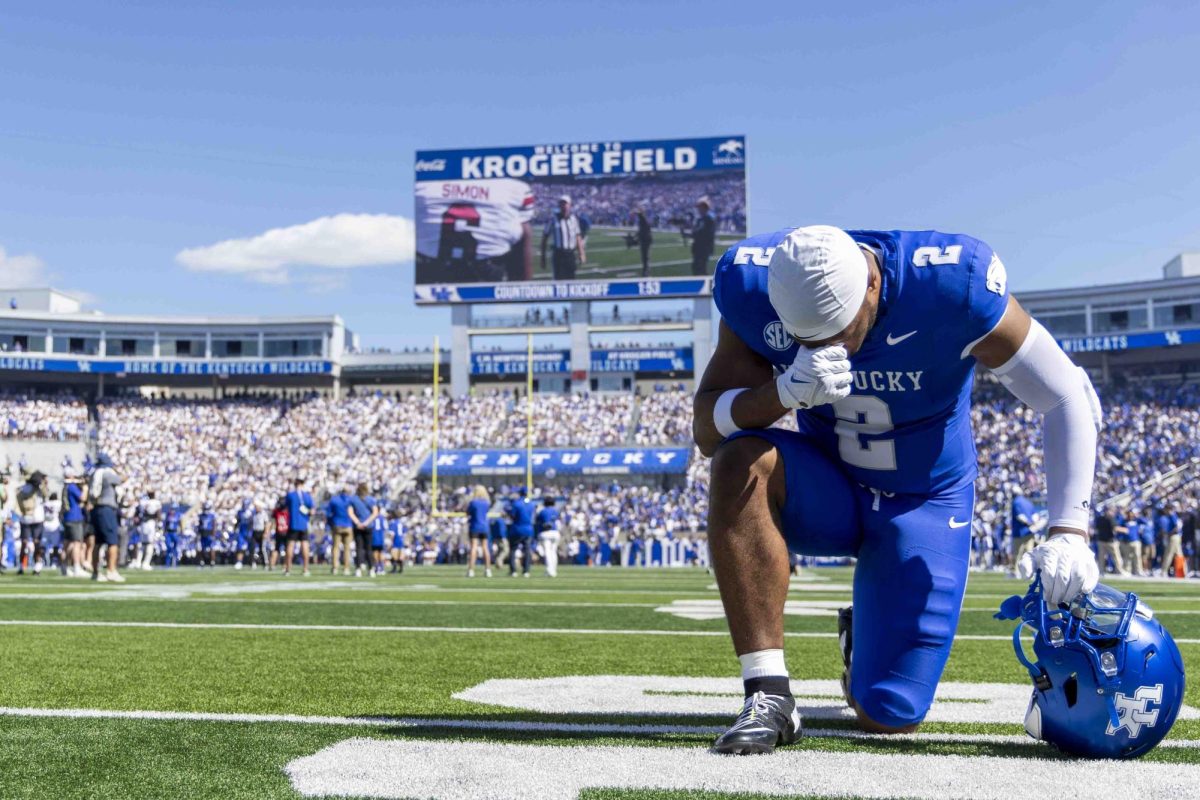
1140 329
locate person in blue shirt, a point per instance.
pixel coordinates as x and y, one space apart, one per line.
337 512
363 511
172 526
379 531
399 532
499 531
299 506
206 530
1170 531
244 522
478 529
1022 525
872 339
549 536
520 532
1125 528
74 500
1149 546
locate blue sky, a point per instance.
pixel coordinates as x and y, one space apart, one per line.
1065 134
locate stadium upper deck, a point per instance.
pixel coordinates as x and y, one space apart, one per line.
1142 327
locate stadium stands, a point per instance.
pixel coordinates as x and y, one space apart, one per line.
60 417
222 451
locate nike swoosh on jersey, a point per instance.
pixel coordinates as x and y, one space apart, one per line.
956 524
898 339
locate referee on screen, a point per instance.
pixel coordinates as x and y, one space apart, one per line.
564 234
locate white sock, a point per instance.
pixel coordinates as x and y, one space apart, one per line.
763 664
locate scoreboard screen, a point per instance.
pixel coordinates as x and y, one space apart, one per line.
577 221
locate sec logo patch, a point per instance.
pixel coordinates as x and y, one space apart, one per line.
776 336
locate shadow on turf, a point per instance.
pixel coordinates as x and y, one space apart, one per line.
876 744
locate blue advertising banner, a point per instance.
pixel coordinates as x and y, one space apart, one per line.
513 363
576 220
1128 341
550 362
668 359
601 461
574 290
159 367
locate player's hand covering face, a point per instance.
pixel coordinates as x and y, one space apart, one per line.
816 377
1067 564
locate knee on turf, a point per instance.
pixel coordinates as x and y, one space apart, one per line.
884 709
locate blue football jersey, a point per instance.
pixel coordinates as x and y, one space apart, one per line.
906 425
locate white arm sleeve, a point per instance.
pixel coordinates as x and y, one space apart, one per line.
1041 376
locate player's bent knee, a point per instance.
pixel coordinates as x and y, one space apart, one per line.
884 710
871 726
741 462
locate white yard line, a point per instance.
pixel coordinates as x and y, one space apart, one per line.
374 628
438 629
447 770
375 722
321 601
522 726
154 590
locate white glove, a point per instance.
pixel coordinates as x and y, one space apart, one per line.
816 377
1067 564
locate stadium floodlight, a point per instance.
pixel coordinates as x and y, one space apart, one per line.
434 433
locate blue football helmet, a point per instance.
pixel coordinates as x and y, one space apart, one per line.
1108 679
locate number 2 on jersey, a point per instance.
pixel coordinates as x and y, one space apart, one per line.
864 414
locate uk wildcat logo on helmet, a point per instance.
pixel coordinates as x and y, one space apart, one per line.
1108 679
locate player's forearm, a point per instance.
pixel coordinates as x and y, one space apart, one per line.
1041 376
755 408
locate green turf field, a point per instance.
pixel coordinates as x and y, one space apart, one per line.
599 684
609 258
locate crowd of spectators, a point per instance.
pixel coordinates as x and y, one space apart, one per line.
58 417
573 420
223 452
1148 431
669 203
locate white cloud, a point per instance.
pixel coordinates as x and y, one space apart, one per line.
22 272
341 241
27 271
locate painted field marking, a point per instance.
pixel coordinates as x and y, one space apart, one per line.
171 590
323 601
375 628
181 591
805 586
659 695
520 726
485 771
712 609
249 626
